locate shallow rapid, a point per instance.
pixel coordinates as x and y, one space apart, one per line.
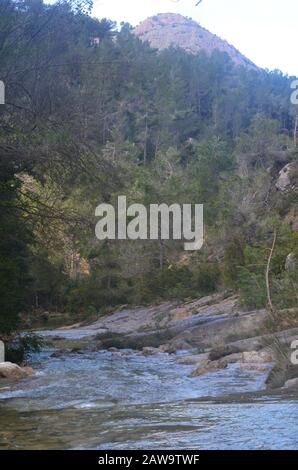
105 401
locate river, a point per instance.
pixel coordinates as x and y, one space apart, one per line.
104 401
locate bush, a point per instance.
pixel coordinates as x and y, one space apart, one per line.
20 347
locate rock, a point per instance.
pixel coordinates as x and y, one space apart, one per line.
257 356
147 351
209 366
175 345
195 359
292 217
169 29
117 354
287 177
165 347
223 351
96 346
112 350
59 353
28 370
8 370
233 358
293 383
290 263
280 374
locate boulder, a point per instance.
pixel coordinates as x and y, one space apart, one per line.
8 370
287 177
195 359
223 351
147 351
209 366
175 345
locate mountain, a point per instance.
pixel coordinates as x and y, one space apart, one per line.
169 29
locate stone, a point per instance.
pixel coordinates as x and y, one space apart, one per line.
195 359
223 351
8 370
175 345
148 351
233 358
287 177
96 346
28 370
209 366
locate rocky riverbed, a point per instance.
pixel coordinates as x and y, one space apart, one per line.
178 375
213 329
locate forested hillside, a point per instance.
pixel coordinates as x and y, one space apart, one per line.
91 113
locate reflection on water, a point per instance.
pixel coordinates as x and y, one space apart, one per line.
102 401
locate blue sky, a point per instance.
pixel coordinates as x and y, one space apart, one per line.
263 30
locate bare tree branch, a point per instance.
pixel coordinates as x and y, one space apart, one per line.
269 301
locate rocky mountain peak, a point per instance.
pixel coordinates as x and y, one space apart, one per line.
170 29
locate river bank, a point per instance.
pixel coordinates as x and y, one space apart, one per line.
214 329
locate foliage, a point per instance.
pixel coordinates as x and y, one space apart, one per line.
91 113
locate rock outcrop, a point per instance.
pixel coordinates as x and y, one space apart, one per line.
169 29
8 370
288 178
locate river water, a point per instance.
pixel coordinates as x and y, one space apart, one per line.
103 401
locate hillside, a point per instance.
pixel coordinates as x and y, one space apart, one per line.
88 121
169 29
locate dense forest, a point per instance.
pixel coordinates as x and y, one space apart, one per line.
91 113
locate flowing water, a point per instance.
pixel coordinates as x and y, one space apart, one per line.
104 401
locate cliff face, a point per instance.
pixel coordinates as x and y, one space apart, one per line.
169 29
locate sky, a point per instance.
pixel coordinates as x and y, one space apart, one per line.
263 30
